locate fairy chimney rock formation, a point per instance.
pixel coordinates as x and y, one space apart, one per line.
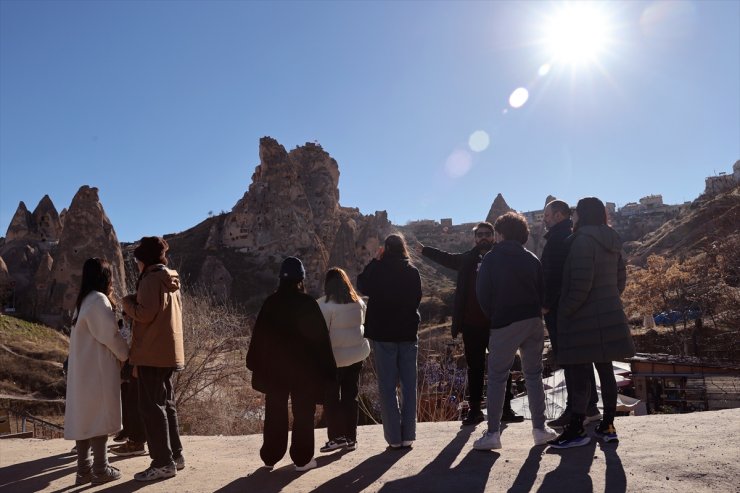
41 225
46 220
87 233
292 209
21 224
498 209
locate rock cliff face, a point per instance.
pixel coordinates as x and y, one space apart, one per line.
292 208
706 220
87 233
44 259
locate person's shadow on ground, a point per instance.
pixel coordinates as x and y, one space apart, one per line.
575 465
616 479
470 475
265 481
528 472
35 475
573 470
364 474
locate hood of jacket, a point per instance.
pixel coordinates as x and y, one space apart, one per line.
510 247
604 236
169 278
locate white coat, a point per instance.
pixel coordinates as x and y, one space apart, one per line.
93 406
345 322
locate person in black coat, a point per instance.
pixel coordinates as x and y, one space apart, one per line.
393 286
468 318
559 228
290 355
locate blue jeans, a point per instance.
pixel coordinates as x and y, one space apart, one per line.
396 362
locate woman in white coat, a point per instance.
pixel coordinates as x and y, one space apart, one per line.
93 405
344 312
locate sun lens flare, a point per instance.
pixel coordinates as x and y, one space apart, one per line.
577 33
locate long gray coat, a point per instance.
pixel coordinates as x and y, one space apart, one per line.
592 326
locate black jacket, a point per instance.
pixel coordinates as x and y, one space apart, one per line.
553 259
290 345
510 285
464 263
393 286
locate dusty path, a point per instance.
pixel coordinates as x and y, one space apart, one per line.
673 453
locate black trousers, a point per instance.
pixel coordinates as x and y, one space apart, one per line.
133 427
551 321
475 341
340 404
157 407
581 387
275 434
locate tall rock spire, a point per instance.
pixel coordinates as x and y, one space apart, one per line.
21 225
87 233
498 209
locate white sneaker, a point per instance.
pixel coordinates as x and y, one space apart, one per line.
489 441
592 418
154 473
311 465
543 435
407 443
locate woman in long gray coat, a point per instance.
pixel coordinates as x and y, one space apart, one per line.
592 326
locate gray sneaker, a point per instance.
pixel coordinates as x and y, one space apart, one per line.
83 477
155 473
179 462
109 474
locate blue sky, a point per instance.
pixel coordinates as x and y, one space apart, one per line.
161 104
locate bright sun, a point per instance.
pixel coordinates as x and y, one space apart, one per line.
577 33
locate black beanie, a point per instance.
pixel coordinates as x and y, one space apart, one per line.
292 270
152 250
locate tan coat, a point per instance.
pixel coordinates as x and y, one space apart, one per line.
93 406
156 309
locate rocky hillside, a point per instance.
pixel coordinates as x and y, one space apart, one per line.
707 220
31 357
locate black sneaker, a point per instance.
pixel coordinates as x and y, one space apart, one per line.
473 418
571 437
120 437
606 432
351 444
334 444
509 416
561 421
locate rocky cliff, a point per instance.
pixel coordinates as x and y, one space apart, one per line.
290 208
44 258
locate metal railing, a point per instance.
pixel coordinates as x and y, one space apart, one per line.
25 422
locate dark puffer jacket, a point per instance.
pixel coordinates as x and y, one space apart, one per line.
592 326
393 286
290 346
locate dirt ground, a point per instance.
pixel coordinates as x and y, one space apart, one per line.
694 453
